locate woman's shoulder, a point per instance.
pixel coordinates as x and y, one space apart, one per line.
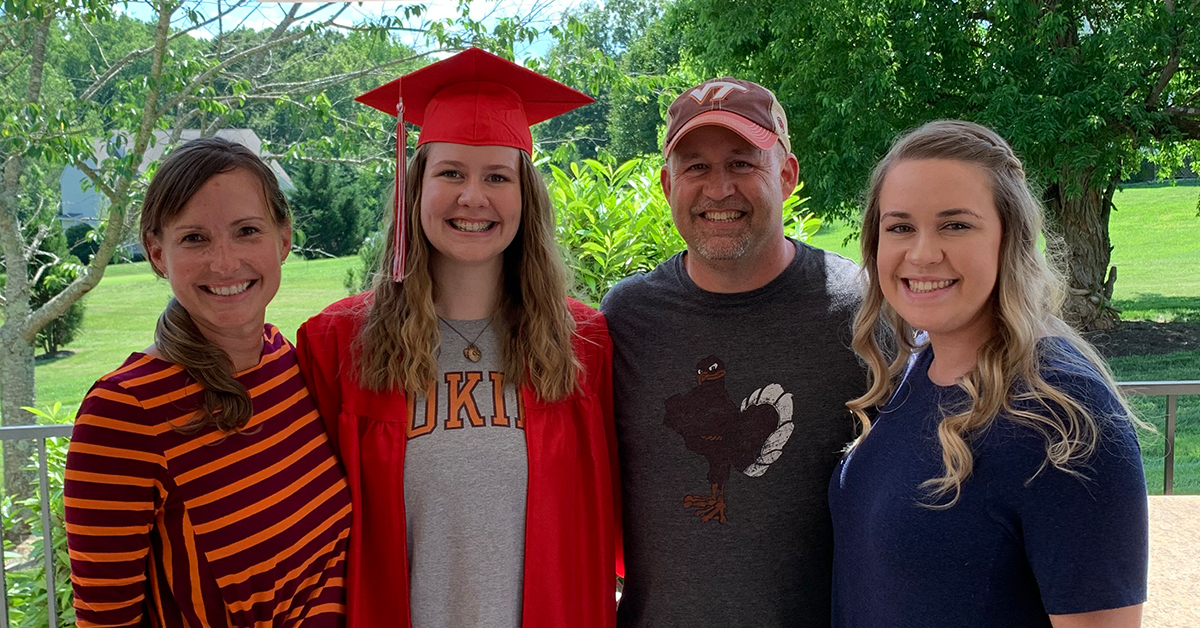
1065 368
355 306
341 319
1071 373
125 394
138 371
589 322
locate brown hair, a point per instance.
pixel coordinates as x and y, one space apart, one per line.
1026 305
226 403
398 343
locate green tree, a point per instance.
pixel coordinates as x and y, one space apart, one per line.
81 242
624 55
65 328
1079 88
326 209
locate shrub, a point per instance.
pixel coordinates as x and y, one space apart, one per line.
82 242
64 329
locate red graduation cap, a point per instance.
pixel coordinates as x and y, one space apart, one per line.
473 97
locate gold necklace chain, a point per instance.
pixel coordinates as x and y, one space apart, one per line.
471 352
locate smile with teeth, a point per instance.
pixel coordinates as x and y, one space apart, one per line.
725 216
473 226
928 286
228 291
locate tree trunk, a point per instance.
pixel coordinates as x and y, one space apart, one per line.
16 349
1080 219
16 371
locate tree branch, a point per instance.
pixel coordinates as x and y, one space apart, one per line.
38 238
97 181
37 275
181 123
215 125
330 81
270 44
1185 120
374 29
113 69
1187 101
96 40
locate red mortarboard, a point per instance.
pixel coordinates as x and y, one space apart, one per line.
473 98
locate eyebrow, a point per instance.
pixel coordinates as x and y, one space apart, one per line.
945 213
202 227
736 151
459 164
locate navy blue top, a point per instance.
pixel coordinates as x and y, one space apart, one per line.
1017 546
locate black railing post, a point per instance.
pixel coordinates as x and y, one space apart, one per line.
47 533
1169 447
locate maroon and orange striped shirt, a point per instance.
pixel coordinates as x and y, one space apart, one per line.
205 529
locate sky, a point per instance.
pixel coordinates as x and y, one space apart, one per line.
261 15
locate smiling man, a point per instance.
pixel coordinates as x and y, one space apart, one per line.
732 367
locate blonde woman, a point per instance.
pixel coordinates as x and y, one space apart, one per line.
1000 483
471 402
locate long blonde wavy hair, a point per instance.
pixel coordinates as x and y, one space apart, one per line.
399 341
1026 305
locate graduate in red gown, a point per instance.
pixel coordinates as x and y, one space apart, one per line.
469 398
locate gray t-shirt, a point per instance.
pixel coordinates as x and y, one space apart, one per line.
730 413
465 475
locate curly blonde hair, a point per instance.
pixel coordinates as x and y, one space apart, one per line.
1026 305
399 341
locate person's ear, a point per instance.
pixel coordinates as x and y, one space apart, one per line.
154 253
285 233
789 174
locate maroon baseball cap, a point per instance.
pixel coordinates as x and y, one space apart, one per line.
746 108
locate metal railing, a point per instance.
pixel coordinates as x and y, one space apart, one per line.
39 433
1170 390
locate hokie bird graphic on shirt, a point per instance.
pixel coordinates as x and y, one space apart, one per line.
747 438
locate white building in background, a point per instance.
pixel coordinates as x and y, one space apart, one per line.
83 204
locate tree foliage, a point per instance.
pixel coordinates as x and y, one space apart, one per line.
623 54
1081 89
66 327
333 208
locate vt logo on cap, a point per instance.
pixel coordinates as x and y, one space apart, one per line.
748 109
700 94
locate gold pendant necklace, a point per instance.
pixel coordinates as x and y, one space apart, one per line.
472 351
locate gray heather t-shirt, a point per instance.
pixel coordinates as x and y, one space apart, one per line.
465 474
730 413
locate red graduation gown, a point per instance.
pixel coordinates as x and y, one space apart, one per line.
571 521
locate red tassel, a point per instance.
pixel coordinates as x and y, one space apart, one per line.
401 228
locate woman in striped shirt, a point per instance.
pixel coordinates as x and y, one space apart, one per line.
201 489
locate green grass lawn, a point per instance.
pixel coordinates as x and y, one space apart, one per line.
123 309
